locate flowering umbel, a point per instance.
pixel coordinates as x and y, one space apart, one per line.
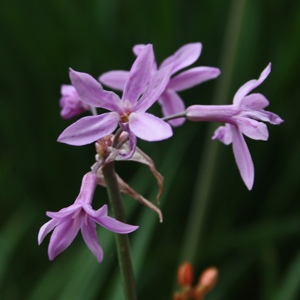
80 216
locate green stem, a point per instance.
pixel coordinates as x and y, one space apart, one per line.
205 176
122 240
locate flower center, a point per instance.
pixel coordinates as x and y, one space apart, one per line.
125 117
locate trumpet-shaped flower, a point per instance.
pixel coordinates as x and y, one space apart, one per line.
141 90
70 102
242 117
169 100
80 215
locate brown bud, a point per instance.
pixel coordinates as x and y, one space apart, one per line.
209 278
185 274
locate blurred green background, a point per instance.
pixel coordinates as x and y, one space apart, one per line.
210 218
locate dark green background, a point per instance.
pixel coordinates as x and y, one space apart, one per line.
252 237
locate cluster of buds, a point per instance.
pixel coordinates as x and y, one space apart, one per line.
185 278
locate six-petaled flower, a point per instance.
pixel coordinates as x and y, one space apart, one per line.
169 100
80 216
240 118
140 92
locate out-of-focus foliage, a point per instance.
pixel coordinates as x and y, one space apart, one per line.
252 237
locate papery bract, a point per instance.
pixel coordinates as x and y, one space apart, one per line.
169 100
240 118
80 216
104 148
141 90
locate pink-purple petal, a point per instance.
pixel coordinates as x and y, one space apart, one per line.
114 79
250 85
253 129
45 229
89 129
192 77
255 101
91 92
172 104
155 88
62 236
149 127
223 134
242 157
101 212
132 144
115 225
183 57
139 75
89 234
63 212
137 49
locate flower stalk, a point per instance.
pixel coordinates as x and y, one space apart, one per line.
122 241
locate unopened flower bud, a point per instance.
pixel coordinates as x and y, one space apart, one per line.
209 278
185 274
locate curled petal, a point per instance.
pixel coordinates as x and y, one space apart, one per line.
139 75
242 157
137 49
250 85
89 129
172 104
115 225
192 77
183 57
101 212
148 127
253 129
89 234
223 133
62 237
127 154
91 92
45 229
114 79
71 103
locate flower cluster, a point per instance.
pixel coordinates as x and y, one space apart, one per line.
116 131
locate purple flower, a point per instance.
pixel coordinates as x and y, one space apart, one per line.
169 100
141 90
70 102
80 215
240 118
